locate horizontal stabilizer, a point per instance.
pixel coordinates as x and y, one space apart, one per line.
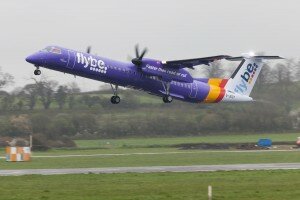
240 58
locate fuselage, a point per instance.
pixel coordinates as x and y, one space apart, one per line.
148 78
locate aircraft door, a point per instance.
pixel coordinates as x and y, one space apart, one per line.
193 93
71 59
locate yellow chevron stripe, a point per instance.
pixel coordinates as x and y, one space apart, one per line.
213 94
215 81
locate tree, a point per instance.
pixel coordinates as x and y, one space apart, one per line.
40 123
61 125
264 76
283 76
20 104
72 90
90 100
30 92
214 70
7 101
5 79
61 96
45 90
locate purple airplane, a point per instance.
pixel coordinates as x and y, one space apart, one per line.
167 79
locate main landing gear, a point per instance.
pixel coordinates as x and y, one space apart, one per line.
167 98
115 99
37 71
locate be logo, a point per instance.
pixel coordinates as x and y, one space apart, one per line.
250 72
247 78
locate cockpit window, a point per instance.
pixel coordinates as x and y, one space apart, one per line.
56 50
47 49
52 50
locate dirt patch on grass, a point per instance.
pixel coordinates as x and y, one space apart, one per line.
239 146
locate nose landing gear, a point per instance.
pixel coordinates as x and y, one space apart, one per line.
37 71
115 99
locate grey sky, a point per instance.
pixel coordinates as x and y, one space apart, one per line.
171 29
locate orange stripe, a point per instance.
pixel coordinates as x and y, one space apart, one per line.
13 157
19 149
26 157
7 150
223 83
221 95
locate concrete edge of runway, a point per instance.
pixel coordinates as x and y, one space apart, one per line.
153 169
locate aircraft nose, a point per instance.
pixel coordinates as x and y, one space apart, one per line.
33 59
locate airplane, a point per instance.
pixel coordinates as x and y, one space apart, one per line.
167 79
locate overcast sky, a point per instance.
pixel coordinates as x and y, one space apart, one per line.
171 29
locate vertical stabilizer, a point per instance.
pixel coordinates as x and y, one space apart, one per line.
244 77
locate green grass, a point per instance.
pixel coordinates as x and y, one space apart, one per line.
254 185
195 157
129 149
148 142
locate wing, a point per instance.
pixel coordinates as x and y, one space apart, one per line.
190 63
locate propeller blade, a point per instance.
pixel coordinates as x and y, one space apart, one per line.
143 53
129 57
138 59
137 51
88 50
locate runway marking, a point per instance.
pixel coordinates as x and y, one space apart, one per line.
153 169
160 153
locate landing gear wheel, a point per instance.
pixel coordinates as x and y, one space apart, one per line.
167 99
37 72
115 99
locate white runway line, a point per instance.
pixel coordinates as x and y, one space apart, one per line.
153 169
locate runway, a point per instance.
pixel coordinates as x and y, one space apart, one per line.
152 169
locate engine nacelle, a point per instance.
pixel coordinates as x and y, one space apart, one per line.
155 68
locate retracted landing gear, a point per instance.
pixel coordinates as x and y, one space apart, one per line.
167 98
115 99
37 71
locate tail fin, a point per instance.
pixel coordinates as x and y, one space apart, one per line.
245 75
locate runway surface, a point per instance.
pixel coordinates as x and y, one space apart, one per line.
151 169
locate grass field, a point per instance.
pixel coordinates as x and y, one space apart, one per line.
156 142
155 152
162 157
254 185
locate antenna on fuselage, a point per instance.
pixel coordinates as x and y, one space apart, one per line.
88 49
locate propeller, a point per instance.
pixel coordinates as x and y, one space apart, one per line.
139 57
88 49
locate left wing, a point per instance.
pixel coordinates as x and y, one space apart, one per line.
190 63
